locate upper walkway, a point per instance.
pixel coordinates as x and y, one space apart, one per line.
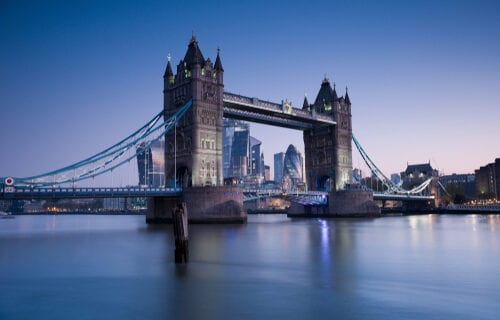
271 113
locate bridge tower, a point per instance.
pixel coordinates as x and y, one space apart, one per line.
328 149
197 141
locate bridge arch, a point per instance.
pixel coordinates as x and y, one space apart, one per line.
323 183
183 177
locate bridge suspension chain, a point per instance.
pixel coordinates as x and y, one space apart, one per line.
107 160
391 186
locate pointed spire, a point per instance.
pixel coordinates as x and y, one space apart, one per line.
335 96
218 63
347 100
168 70
325 95
193 37
193 54
325 79
305 105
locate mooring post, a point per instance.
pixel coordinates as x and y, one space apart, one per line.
180 222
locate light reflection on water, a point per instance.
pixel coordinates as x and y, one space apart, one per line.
413 267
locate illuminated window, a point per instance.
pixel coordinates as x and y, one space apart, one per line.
202 71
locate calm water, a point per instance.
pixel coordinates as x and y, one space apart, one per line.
116 267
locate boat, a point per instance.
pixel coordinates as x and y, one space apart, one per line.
6 215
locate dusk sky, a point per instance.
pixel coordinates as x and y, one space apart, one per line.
423 76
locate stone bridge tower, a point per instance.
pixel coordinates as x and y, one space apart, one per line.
199 133
328 149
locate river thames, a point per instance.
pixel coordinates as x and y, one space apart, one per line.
117 267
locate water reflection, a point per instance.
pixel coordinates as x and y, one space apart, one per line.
427 266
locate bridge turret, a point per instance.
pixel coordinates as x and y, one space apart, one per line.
335 96
219 70
305 105
347 100
168 76
197 160
328 148
324 99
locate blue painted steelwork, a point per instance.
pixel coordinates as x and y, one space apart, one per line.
27 193
109 159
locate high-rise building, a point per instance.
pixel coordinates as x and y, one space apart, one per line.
279 161
151 164
242 154
488 180
267 173
230 127
239 154
465 182
293 165
255 160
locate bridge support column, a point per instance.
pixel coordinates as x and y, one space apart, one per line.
353 203
222 204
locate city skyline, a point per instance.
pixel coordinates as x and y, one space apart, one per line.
78 77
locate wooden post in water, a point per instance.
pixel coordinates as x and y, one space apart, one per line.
180 222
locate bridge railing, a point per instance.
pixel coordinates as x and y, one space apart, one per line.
84 192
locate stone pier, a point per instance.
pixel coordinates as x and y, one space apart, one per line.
341 204
222 204
352 203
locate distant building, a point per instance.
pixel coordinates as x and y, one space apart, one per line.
488 181
151 164
114 204
466 182
357 174
416 174
395 178
239 154
279 161
242 154
267 173
231 126
255 156
293 166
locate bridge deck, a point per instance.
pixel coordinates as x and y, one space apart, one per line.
20 193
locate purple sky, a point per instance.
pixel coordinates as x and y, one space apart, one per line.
423 76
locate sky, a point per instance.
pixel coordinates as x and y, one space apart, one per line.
423 76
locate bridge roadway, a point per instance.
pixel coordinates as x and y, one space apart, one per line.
284 115
27 193
319 197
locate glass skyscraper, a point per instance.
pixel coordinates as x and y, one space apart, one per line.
279 161
151 164
293 165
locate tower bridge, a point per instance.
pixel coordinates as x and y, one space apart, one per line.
194 105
